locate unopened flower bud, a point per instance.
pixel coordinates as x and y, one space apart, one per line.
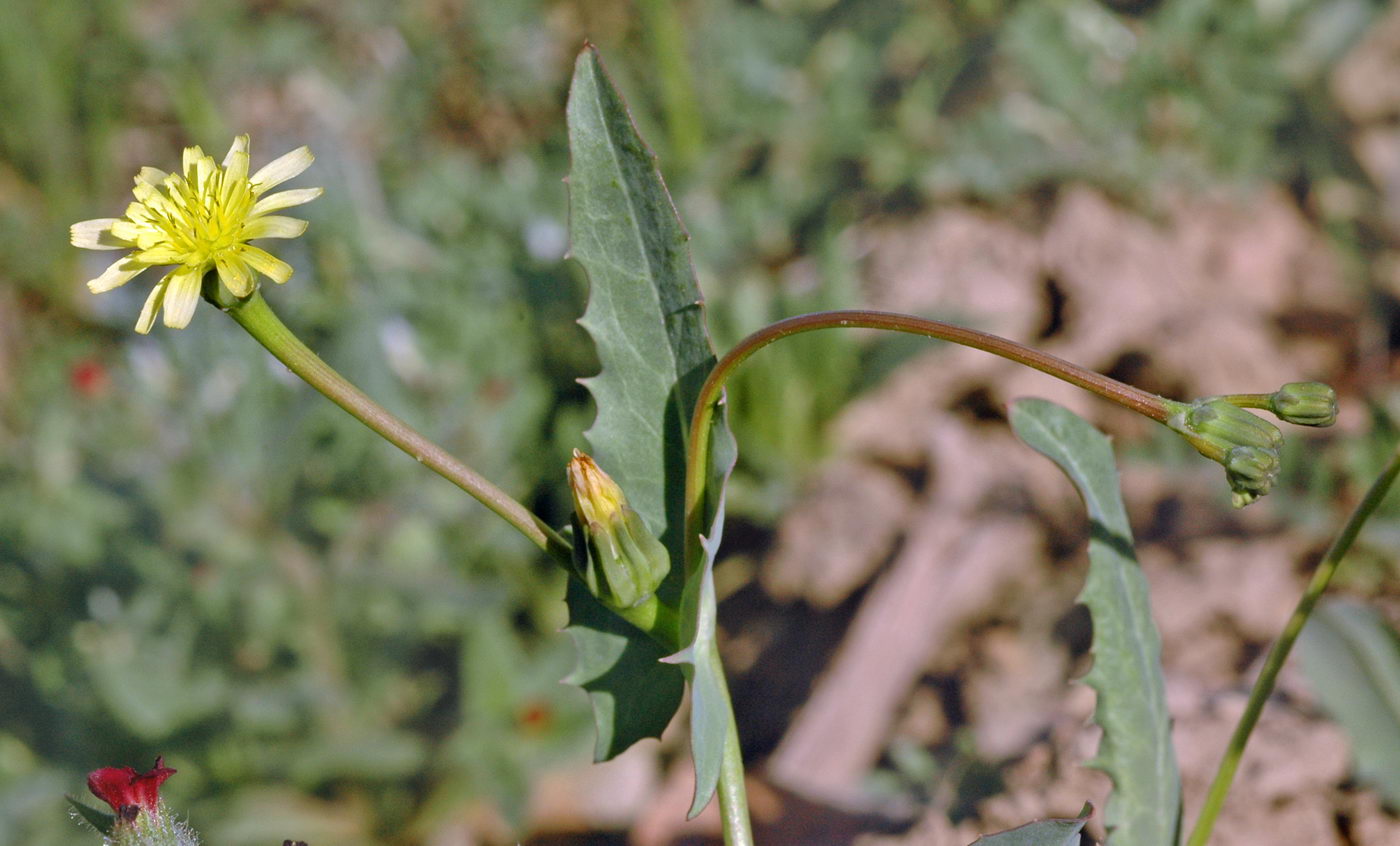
1231 426
624 563
1246 445
1251 471
1305 403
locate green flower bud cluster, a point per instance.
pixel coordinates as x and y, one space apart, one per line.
1246 445
619 560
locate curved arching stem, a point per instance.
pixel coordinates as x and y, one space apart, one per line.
698 447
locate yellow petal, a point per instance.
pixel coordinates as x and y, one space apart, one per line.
188 160
117 274
273 226
151 176
126 231
96 235
284 200
204 168
159 254
143 192
235 178
240 145
281 169
267 264
181 296
237 168
148 237
153 301
235 274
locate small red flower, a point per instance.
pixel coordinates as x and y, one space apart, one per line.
89 378
123 787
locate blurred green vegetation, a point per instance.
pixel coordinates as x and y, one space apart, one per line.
201 558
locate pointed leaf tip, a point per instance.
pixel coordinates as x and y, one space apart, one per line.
1049 832
99 820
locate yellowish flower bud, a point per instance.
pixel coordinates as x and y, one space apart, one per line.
596 496
619 560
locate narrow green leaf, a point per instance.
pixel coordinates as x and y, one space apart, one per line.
1352 658
710 710
646 319
1136 750
1052 832
99 820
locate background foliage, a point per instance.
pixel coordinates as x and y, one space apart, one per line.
201 558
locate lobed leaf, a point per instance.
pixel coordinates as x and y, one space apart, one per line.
1136 749
618 669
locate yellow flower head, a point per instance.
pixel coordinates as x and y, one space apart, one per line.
199 220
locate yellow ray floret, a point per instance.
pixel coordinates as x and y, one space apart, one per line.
199 220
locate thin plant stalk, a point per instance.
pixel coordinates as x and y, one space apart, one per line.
697 455
733 798
1264 685
257 317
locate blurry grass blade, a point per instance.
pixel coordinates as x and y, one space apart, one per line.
1136 750
632 694
1052 832
1352 658
711 713
645 317
668 48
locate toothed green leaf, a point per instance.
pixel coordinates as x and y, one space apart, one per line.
633 696
645 317
1136 749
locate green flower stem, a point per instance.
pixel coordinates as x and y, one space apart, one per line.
254 315
1263 687
1136 399
1263 402
732 798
